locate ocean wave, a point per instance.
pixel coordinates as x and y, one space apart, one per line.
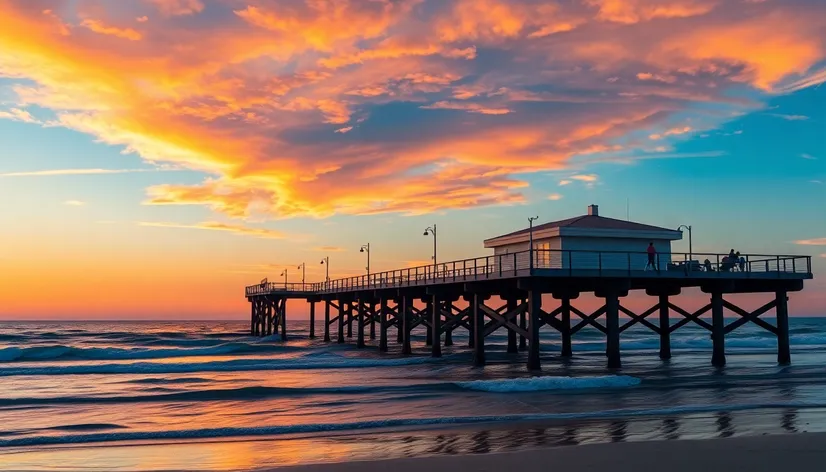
535 384
60 352
239 365
208 433
216 394
262 392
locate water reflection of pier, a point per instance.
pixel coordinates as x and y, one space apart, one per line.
491 440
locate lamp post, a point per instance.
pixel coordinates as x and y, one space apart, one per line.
326 263
428 231
284 274
303 268
690 245
530 238
366 248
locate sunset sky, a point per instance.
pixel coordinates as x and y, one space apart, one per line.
159 155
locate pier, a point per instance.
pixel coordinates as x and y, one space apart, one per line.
455 295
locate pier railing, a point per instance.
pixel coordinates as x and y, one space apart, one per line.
561 263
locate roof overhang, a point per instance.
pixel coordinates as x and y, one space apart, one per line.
668 235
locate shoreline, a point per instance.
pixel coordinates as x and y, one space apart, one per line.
769 453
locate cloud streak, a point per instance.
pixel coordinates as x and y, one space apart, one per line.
812 242
70 172
223 227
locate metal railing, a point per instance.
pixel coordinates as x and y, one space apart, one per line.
560 262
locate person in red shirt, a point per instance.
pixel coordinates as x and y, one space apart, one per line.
652 257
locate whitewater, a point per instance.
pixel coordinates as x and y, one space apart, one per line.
111 384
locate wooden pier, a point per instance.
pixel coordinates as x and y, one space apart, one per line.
455 295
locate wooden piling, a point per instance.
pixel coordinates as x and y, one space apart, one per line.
428 314
350 320
326 321
435 327
268 327
283 319
399 324
383 325
404 311
665 329
448 310
372 312
612 345
312 320
341 314
252 316
534 307
718 331
565 328
478 323
360 325
512 348
784 356
523 323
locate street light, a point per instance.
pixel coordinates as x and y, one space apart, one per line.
366 248
284 274
690 246
326 263
303 268
530 237
427 232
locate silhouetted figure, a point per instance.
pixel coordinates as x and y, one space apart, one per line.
652 257
741 262
707 265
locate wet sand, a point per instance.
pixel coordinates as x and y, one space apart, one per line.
793 452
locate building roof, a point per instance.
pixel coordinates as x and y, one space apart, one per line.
586 222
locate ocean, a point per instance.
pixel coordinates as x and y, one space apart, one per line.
86 396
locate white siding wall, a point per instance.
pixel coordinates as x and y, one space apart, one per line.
544 256
587 253
591 257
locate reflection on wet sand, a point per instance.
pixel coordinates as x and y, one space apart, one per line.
493 440
389 444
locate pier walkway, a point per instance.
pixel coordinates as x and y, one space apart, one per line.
429 296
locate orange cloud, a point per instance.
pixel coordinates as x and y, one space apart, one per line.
772 47
178 7
634 11
99 27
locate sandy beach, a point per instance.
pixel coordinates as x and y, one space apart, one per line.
794 452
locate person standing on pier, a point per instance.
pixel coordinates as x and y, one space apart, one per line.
652 257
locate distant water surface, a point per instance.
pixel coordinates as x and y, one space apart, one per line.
82 396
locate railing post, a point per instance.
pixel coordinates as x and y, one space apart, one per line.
514 265
778 267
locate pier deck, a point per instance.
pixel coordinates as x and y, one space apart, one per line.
520 279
